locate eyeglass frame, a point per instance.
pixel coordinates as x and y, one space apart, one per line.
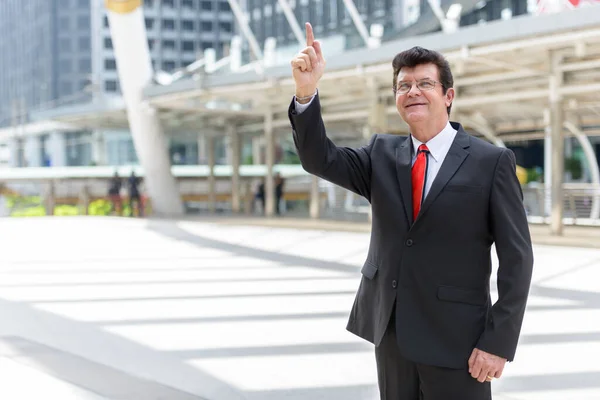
416 83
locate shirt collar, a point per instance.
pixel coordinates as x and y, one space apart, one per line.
438 143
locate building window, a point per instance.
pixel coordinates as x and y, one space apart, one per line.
110 86
187 25
65 66
168 24
187 45
207 26
84 43
169 3
188 3
168 65
65 44
64 23
224 6
225 26
105 21
108 43
66 88
149 23
206 45
168 44
110 65
187 62
151 43
206 6
85 65
83 22
148 3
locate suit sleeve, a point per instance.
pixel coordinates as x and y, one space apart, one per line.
343 166
511 235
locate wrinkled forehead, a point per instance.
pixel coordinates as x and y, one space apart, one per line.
418 72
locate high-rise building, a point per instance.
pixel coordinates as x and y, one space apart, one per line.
391 18
61 50
58 52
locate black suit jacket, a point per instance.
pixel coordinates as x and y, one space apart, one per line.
435 269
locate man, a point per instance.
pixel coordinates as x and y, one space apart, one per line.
114 193
440 198
134 196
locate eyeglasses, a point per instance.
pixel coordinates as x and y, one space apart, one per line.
423 86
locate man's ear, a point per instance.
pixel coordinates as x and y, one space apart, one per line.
449 96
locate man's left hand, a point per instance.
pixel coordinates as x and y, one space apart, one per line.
485 366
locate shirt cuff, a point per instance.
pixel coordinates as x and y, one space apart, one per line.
301 107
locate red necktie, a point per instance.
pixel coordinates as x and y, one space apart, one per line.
419 173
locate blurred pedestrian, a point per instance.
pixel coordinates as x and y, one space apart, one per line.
134 195
114 194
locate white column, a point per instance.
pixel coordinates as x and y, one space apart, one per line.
212 198
98 148
314 197
57 149
33 151
269 161
556 125
235 151
547 171
14 150
134 67
257 150
202 150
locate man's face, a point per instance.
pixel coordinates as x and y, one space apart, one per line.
421 105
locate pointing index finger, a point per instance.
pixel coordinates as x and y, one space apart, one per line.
310 37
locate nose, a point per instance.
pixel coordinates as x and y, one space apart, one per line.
414 90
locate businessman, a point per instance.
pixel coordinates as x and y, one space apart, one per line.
440 199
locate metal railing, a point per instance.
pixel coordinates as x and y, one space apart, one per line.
581 203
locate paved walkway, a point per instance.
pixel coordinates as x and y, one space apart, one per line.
111 308
575 236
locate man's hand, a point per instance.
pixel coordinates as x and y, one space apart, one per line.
485 366
308 65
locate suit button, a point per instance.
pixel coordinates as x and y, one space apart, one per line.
409 242
394 284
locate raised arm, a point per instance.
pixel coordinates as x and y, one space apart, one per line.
349 168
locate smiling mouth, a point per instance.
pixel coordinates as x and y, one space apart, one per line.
416 104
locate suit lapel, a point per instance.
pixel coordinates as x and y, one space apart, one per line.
454 159
403 167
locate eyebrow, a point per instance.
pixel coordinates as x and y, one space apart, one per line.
418 80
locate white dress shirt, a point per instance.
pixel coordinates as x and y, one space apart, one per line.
438 148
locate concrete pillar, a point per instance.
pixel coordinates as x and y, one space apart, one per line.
202 159
257 150
33 151
315 202
556 126
84 199
49 198
14 151
128 33
57 149
269 161
212 197
547 200
377 120
235 151
98 148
